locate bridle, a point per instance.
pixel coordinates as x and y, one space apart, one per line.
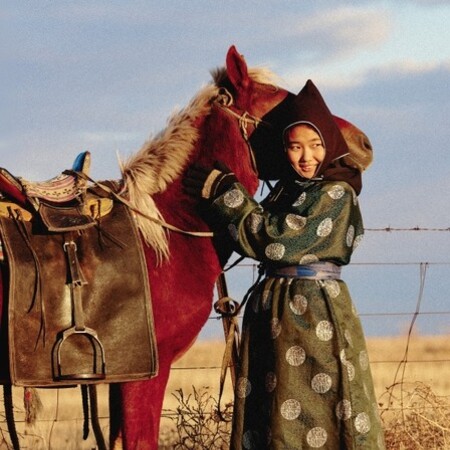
225 101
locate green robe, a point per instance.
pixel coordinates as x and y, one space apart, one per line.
304 379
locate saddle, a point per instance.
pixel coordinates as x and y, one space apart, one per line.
79 309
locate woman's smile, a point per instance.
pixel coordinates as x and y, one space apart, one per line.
304 149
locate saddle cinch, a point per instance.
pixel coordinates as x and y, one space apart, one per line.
79 309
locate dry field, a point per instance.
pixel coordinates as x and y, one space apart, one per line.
60 422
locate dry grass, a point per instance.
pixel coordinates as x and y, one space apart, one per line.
414 403
414 398
415 417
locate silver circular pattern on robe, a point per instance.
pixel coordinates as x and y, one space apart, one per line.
362 423
248 440
321 383
325 227
332 287
243 388
298 304
233 231
363 360
233 198
336 192
366 391
308 259
324 330
255 222
290 409
271 381
267 300
275 251
358 239
350 370
295 222
344 410
300 200
295 356
348 337
275 327
349 238
316 437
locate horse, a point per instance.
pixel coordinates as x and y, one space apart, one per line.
183 267
183 272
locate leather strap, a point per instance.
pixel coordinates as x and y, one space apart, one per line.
162 223
77 281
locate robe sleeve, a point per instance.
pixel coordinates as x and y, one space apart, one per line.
323 224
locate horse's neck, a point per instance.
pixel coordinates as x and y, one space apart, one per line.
178 209
195 254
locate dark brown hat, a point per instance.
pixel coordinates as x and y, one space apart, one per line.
309 108
340 136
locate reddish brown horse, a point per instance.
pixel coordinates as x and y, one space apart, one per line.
184 269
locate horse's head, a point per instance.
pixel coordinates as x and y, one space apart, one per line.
245 95
253 89
215 125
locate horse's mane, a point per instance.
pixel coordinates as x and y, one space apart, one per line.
164 156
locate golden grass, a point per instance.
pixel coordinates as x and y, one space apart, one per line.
422 390
428 362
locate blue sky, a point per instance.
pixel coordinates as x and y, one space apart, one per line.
105 75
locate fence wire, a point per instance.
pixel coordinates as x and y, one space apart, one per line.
395 403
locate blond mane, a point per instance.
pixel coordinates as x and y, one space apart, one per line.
164 156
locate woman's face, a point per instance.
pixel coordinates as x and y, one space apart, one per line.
304 149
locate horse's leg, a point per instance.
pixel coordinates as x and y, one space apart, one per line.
141 405
115 417
9 413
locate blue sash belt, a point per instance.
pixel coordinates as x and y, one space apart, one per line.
317 271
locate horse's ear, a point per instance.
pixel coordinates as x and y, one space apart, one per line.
237 68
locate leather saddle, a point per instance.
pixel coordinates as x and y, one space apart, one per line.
63 203
79 308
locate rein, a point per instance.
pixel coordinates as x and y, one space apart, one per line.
229 309
123 200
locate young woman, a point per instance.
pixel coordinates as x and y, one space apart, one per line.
304 377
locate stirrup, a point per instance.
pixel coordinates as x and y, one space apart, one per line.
97 373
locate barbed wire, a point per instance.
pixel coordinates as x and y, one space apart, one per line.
254 265
389 229
401 364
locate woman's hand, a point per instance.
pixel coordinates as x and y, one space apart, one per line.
208 182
